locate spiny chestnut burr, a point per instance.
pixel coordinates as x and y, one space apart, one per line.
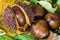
9 18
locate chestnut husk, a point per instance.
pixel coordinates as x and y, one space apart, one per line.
9 18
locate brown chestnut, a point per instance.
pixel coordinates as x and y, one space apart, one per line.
20 16
38 11
40 29
20 8
53 19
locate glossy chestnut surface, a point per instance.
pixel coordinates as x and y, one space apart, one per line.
19 15
38 11
53 20
24 9
40 29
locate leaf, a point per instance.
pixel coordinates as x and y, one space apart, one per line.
1 38
19 37
25 36
6 37
33 1
58 2
47 0
47 6
2 32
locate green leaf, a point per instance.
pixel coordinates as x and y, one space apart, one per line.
19 37
25 36
1 38
47 6
6 37
58 2
33 1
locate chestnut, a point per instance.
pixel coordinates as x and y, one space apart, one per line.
24 11
38 11
53 20
40 29
20 16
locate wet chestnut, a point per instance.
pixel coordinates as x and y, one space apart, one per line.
40 29
26 12
20 16
38 11
21 19
53 19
